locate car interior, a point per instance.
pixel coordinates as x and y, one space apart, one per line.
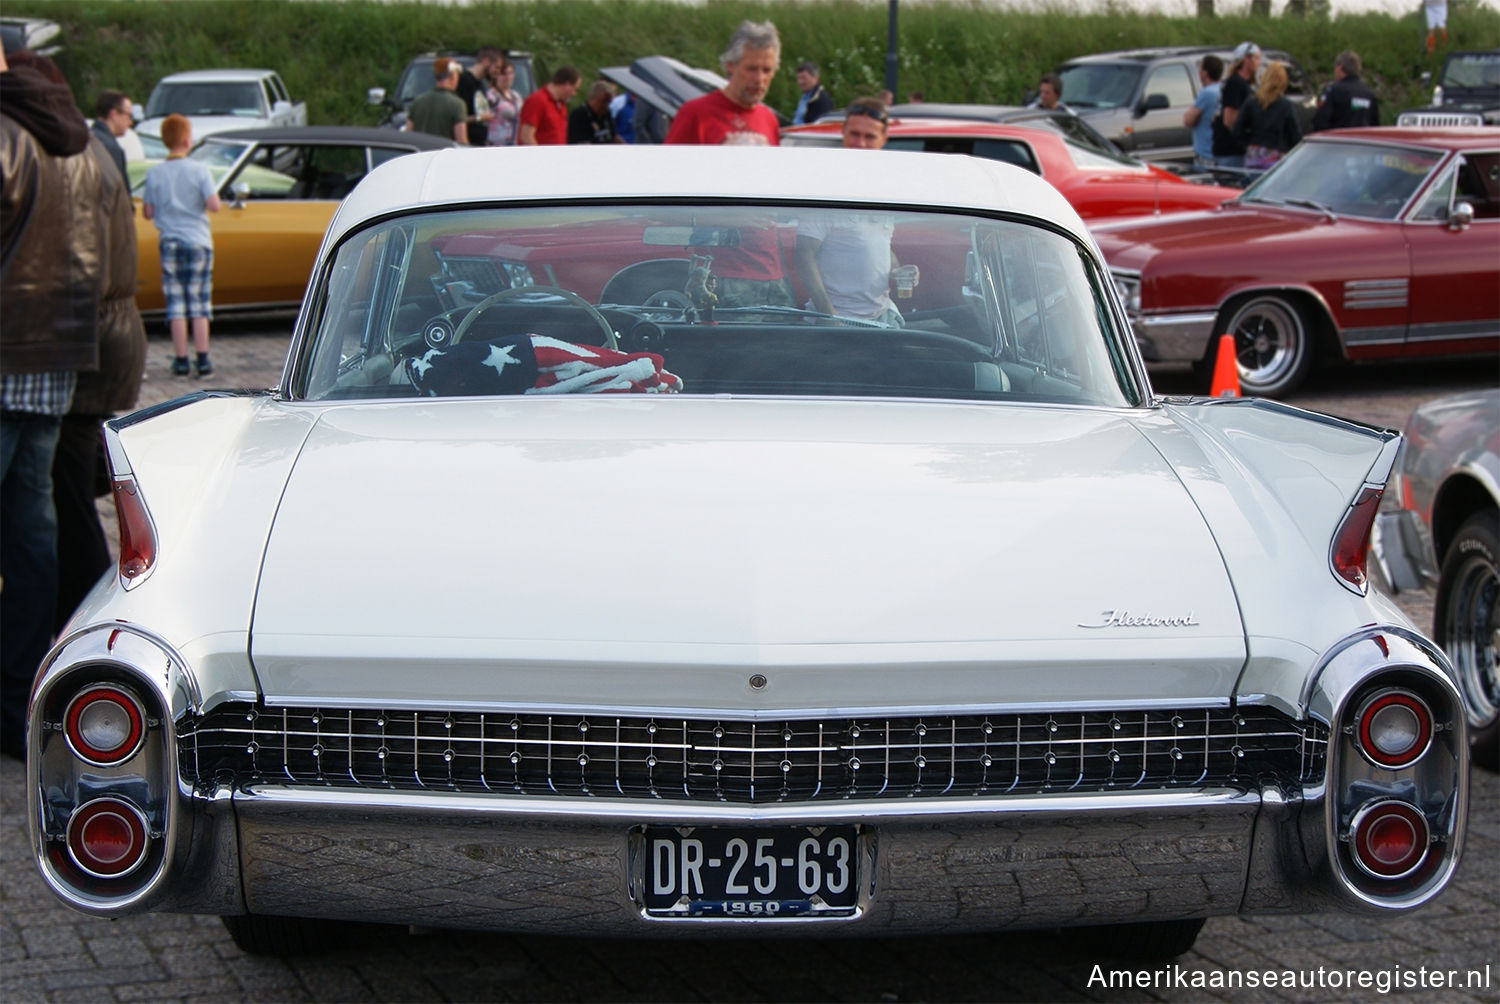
420 308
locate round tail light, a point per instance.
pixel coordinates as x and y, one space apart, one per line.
107 837
104 725
1394 729
1389 838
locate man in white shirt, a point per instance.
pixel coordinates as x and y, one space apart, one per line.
844 259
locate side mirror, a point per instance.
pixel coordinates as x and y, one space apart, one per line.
280 107
1461 217
239 192
1151 103
375 96
136 114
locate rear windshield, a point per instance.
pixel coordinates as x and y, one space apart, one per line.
721 300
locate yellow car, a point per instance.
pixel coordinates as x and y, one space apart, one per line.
279 188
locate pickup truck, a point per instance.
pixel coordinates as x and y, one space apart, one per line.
219 100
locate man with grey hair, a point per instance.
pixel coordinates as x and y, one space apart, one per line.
1347 102
735 113
749 273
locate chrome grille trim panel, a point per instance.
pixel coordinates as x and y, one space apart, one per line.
1372 294
749 762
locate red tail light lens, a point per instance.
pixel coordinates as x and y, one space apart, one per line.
1389 839
104 725
1394 729
107 837
137 536
1351 544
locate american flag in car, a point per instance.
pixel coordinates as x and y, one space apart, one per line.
537 364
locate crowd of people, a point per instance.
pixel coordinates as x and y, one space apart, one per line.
1242 118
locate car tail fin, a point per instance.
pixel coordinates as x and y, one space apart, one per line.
137 531
1348 553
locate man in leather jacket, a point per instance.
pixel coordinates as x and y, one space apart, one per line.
51 249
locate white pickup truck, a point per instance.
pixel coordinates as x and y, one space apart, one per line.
217 100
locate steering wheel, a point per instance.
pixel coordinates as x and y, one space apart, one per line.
518 292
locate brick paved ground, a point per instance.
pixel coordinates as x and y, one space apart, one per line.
49 953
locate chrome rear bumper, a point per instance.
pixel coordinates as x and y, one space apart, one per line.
507 864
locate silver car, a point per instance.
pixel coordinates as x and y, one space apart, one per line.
1441 529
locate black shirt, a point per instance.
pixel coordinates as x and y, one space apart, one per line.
1232 94
468 86
585 127
1347 103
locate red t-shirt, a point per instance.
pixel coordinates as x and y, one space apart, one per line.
714 119
547 115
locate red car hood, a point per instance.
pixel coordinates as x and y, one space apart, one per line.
1231 230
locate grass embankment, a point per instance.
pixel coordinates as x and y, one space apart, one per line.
330 53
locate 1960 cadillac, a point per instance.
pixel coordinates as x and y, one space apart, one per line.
653 603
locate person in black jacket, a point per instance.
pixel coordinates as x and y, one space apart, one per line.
815 102
1347 102
1267 122
591 121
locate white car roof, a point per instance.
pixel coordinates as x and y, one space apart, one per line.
884 178
200 76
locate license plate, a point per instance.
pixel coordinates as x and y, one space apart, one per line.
712 871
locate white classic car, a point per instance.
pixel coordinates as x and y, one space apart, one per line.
576 579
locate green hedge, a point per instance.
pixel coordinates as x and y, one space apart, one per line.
959 51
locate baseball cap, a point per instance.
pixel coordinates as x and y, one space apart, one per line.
1245 49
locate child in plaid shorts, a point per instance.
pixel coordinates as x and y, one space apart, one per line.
178 197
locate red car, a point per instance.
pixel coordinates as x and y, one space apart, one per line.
1098 182
1359 244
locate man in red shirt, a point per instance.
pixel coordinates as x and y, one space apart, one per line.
752 273
544 114
734 113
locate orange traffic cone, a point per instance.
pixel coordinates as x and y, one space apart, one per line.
1226 372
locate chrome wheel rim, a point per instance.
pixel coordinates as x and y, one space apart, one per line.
1268 342
1472 629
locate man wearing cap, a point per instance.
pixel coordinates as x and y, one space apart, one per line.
441 112
1239 83
815 102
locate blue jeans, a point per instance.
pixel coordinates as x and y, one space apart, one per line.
28 562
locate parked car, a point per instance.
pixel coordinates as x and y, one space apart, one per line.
416 80
1440 527
661 85
1137 97
1098 183
1467 92
1360 244
221 100
279 189
1059 120
521 606
35 33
